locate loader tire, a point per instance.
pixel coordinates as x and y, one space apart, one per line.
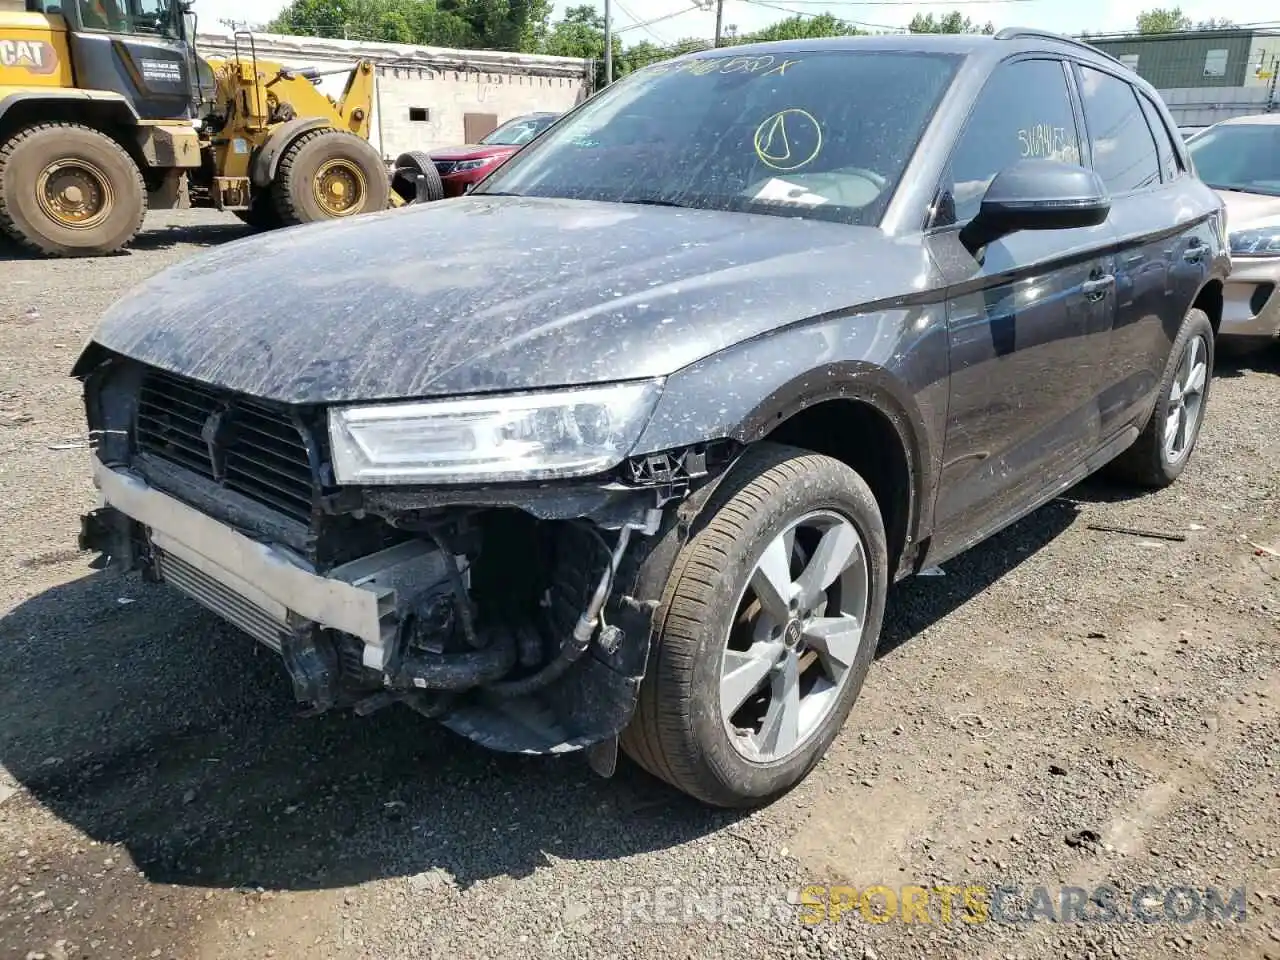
67 190
329 174
418 162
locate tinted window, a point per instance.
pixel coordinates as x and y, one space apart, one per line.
1024 112
128 16
824 135
1164 143
1239 156
1124 154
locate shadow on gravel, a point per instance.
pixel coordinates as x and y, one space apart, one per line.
151 724
139 719
1236 363
918 602
155 238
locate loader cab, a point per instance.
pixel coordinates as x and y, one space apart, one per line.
136 48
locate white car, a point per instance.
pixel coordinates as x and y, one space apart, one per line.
1240 159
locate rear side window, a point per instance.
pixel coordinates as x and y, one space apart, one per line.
1124 152
1024 112
1169 164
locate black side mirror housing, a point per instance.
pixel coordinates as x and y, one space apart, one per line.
1037 195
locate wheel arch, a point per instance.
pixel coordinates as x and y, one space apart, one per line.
1209 299
106 112
266 159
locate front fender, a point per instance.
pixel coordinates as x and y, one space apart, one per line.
895 359
262 168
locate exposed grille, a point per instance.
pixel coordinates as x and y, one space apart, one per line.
222 600
241 444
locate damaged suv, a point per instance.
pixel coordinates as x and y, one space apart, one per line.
742 340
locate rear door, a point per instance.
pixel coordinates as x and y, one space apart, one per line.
1165 245
1029 322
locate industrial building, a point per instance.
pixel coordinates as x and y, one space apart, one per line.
1204 75
426 97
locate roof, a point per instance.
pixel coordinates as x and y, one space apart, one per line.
1009 40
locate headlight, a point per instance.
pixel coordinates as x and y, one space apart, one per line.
529 436
472 164
1260 242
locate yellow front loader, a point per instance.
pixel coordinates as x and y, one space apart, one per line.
107 111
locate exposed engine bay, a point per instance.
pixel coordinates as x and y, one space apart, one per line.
516 615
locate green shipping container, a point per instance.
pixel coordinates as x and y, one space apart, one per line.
1209 58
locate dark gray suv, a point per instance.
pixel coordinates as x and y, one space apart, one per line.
626 447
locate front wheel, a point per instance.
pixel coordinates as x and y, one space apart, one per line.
767 629
329 174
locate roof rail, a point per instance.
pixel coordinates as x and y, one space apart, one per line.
1029 33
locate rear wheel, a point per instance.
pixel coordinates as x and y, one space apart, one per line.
417 163
327 175
767 629
1159 455
67 190
262 213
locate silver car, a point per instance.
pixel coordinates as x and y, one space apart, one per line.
1240 158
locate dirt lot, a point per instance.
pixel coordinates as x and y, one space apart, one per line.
1065 707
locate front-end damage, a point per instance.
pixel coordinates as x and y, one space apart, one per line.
518 615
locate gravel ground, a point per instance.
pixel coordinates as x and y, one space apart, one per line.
1065 707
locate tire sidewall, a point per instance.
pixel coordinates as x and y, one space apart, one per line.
36 151
1196 323
837 489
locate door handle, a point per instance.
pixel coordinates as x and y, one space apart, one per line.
1194 254
1096 288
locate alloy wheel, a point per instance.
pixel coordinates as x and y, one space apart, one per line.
798 629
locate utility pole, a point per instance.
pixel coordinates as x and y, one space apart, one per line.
608 43
719 19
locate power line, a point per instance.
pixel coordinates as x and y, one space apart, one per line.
665 16
635 22
806 13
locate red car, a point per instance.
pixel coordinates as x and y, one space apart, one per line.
461 166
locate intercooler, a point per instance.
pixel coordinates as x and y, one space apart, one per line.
259 617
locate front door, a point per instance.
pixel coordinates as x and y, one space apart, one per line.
1029 318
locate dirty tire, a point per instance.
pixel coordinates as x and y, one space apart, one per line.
1145 463
262 213
677 733
295 200
29 151
419 162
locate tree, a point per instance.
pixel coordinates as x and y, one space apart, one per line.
491 24
953 22
1215 23
1161 20
801 28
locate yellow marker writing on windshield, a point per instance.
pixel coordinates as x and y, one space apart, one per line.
780 138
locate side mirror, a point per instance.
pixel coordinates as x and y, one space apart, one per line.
1037 195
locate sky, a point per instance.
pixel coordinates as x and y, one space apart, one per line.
671 20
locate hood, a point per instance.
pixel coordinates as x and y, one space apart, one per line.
471 151
477 294
1245 210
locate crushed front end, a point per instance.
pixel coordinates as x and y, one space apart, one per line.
518 614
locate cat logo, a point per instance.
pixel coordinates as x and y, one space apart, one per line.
34 56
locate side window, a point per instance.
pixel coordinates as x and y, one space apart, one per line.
1024 112
1124 153
1169 164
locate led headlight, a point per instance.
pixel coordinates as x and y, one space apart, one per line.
1258 242
472 164
528 436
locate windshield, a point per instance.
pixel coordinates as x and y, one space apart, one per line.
518 131
824 135
1239 156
